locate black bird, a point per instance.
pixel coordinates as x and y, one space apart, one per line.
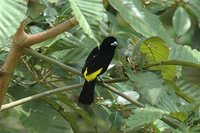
96 64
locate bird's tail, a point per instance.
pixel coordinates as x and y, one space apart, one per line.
87 93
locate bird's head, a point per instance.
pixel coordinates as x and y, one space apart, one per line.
109 42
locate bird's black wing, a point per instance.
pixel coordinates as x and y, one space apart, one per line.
91 58
95 61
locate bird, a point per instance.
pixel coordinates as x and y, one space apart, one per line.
96 64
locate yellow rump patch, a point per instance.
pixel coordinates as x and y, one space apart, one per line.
91 76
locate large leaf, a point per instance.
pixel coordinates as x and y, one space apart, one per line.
143 116
89 14
37 116
193 5
11 120
12 12
156 50
185 53
149 85
140 19
70 111
190 90
181 21
72 49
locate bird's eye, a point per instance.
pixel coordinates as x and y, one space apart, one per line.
114 43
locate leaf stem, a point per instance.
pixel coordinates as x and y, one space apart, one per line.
169 122
173 62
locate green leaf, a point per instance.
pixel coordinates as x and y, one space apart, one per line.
185 56
35 8
169 102
37 116
42 119
165 3
51 13
12 12
152 89
74 108
181 21
184 53
156 50
179 115
116 119
190 90
178 92
71 49
143 116
11 119
150 85
69 116
194 5
140 19
89 14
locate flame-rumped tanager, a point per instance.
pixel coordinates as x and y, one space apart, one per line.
96 64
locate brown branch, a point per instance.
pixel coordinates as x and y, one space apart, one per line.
9 67
11 61
42 36
22 40
2 72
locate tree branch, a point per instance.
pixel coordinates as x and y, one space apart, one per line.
113 80
31 52
46 93
11 61
70 69
46 58
42 36
22 40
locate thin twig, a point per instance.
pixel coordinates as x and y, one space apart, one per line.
113 80
46 93
122 95
169 122
45 58
173 62
36 96
70 69
30 68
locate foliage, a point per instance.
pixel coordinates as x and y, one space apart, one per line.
12 13
158 56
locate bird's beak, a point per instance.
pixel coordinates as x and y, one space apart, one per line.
114 43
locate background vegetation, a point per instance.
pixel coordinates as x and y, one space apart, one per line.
156 66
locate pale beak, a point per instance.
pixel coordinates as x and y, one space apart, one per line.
114 43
